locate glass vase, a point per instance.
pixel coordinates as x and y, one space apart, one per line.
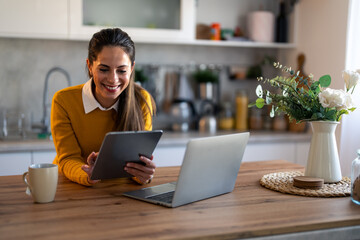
323 160
355 179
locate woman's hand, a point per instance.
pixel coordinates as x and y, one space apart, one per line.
90 166
143 173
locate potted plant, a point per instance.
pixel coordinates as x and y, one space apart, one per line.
206 79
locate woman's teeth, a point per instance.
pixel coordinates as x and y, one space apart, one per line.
112 88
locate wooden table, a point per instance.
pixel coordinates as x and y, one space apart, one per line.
101 212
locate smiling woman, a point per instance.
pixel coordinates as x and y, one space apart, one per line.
110 101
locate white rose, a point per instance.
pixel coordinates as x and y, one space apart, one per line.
339 99
351 78
348 101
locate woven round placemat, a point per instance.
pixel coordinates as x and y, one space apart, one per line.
283 182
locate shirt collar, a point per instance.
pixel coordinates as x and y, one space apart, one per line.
89 101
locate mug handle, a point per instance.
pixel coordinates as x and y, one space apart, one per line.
28 190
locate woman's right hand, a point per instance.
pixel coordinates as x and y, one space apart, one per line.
90 166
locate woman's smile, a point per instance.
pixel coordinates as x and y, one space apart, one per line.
112 88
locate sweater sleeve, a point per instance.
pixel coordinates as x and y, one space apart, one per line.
68 151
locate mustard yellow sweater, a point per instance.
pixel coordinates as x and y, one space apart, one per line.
77 134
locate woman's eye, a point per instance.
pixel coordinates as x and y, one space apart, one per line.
103 70
121 71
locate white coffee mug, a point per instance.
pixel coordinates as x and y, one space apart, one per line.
42 181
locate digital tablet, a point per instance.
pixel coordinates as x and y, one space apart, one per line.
118 148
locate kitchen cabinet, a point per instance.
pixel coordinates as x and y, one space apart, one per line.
169 156
146 20
43 156
14 163
79 19
34 18
293 151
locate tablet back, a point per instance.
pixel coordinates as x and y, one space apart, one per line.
118 148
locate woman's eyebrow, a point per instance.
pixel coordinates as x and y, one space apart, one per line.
104 65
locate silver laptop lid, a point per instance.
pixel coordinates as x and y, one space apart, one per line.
210 167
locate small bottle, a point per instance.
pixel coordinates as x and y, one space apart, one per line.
215 31
355 179
241 114
281 24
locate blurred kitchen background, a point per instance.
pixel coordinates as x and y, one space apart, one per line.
198 58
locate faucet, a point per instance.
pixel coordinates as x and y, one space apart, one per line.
45 122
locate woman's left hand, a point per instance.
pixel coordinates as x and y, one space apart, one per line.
144 173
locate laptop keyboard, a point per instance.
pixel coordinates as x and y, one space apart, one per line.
163 197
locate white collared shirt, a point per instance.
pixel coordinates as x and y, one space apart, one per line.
90 102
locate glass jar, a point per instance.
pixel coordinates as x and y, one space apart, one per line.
355 179
241 113
226 118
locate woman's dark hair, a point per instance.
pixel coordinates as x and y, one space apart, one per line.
130 113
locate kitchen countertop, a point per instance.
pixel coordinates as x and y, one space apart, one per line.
168 139
249 211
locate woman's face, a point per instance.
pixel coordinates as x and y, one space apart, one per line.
111 74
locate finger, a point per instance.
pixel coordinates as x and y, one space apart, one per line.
92 158
146 169
148 161
142 176
88 170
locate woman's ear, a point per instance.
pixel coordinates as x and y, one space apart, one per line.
89 67
132 67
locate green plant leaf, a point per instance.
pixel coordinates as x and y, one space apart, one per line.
331 115
260 102
325 81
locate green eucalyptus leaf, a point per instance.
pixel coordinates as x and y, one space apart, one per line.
268 99
259 91
272 112
325 81
260 102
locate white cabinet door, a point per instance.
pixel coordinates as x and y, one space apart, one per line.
302 152
14 163
43 156
83 28
270 151
34 18
169 156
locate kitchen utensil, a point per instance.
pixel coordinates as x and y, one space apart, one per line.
182 115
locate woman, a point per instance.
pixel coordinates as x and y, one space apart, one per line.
110 101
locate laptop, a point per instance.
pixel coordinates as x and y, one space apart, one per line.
210 168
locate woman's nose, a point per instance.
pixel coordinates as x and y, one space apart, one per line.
114 76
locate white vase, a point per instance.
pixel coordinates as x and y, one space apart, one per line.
323 161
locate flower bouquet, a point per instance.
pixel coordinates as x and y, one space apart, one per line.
306 99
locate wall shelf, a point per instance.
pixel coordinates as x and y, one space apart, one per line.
245 44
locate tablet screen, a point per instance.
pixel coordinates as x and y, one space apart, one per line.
118 148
